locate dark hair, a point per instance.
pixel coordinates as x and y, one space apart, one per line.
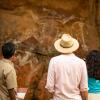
8 50
93 64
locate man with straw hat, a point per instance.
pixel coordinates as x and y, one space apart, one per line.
67 73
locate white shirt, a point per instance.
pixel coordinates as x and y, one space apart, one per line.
67 76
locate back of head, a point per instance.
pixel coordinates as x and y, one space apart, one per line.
93 64
8 50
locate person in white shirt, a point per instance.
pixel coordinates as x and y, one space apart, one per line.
67 73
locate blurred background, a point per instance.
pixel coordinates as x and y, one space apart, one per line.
34 25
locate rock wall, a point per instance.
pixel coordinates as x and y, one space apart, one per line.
34 25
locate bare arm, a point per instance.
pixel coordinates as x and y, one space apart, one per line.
12 94
49 95
84 95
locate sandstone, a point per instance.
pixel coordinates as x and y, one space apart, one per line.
34 25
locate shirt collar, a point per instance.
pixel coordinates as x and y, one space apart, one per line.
70 54
7 61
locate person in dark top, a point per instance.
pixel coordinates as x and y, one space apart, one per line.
93 67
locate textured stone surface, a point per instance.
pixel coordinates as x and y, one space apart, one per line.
34 25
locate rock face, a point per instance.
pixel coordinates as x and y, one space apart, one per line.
34 25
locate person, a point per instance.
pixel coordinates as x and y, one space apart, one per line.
93 67
67 73
8 81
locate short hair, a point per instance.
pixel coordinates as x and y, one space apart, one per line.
93 64
8 50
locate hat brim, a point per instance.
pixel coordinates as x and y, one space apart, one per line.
71 49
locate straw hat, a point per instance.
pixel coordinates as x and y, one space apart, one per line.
66 44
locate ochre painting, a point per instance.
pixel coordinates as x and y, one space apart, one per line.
34 25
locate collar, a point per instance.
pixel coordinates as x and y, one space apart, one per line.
69 54
7 61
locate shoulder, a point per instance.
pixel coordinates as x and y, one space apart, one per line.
7 67
79 59
55 58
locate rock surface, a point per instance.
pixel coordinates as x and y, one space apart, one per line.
34 25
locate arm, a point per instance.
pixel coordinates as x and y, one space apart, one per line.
84 95
12 94
84 82
49 95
